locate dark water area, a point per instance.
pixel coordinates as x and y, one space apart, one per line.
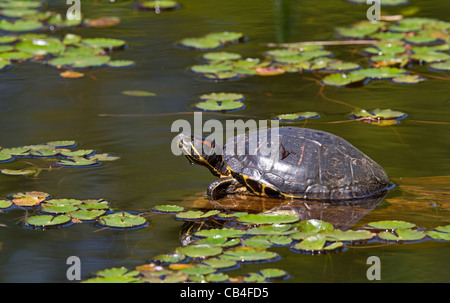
37 105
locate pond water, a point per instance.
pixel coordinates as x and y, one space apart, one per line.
37 105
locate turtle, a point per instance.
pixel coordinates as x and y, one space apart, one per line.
302 163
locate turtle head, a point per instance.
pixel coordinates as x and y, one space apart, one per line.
203 152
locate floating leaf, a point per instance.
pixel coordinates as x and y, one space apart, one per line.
387 113
298 116
199 269
389 225
170 258
138 93
102 22
122 220
342 79
350 235
5 157
274 229
168 208
200 251
58 209
246 254
221 232
222 97
20 25
273 273
220 263
430 57
105 43
218 106
440 66
79 61
47 220
28 201
312 243
5 203
314 225
62 143
421 39
200 43
380 73
77 161
158 5
221 56
40 47
219 277
86 215
195 214
257 241
254 278
103 157
19 172
16 151
342 66
121 63
225 37
402 235
94 204
440 233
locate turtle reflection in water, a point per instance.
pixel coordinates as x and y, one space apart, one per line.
307 164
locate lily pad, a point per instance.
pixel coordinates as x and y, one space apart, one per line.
105 43
225 37
16 151
200 251
267 219
220 263
342 79
63 143
58 209
122 220
200 43
43 221
430 57
15 56
158 5
86 215
77 162
138 93
247 254
5 203
380 73
121 63
221 232
408 79
5 157
389 225
168 208
103 157
198 269
222 97
342 66
257 242
402 234
350 235
219 106
40 47
170 258
273 273
314 225
221 56
440 233
274 229
195 214
20 25
298 116
79 61
440 66
219 277
20 172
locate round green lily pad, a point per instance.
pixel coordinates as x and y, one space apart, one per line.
158 5
5 157
313 225
121 63
219 277
342 79
273 273
225 37
198 269
274 229
105 43
43 221
247 254
20 25
170 258
221 232
15 56
200 43
200 251
298 116
257 242
77 162
222 97
79 61
221 56
389 225
380 73
138 93
350 235
219 106
18 172
8 39
220 263
440 233
342 66
58 209
430 57
122 220
168 208
86 215
63 143
402 235
5 203
267 219
195 214
16 151
40 47
440 66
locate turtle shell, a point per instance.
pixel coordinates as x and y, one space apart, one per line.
303 163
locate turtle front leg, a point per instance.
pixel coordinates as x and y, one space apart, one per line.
225 186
